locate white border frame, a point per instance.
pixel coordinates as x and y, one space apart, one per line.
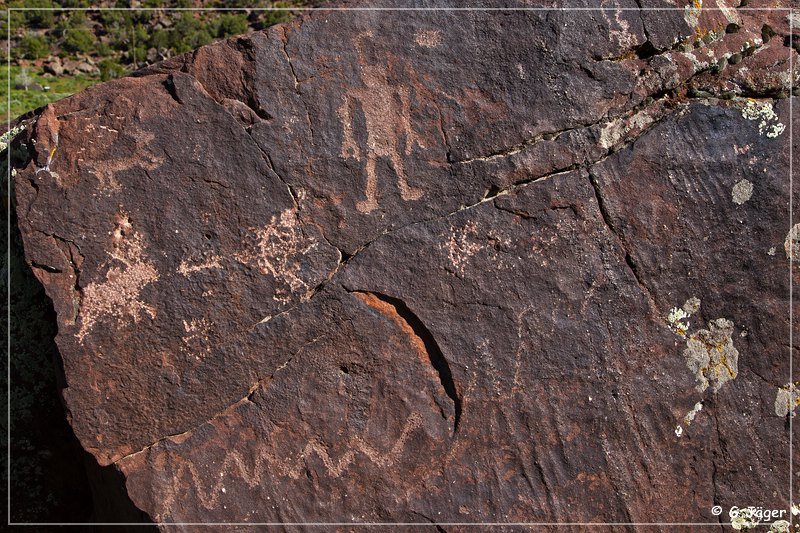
789 11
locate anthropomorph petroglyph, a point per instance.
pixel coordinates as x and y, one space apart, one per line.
278 250
387 113
119 295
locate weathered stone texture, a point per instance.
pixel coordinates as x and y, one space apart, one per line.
431 266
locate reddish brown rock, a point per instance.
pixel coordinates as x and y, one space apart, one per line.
430 266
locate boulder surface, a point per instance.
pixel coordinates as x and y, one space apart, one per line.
432 266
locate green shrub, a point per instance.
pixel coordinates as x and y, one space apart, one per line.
160 40
186 24
102 49
78 40
140 33
197 39
269 18
110 69
76 19
119 41
113 19
35 18
138 54
188 33
16 21
33 46
230 24
141 17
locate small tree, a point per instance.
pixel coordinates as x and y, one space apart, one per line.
23 79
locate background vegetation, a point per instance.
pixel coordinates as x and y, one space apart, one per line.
99 44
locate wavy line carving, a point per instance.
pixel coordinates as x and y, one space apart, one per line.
266 462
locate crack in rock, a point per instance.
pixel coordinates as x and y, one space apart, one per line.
422 339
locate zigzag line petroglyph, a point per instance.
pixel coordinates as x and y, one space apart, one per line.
266 463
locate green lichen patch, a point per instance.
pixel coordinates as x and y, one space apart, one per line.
689 418
693 413
692 305
676 318
744 521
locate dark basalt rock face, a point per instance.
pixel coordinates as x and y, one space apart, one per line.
431 266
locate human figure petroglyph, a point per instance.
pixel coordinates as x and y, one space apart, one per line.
279 250
119 295
387 113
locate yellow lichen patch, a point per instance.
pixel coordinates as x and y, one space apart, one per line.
787 399
691 13
709 353
627 55
766 117
711 356
709 34
119 295
676 317
792 243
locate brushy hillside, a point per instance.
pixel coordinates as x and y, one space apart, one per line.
61 47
